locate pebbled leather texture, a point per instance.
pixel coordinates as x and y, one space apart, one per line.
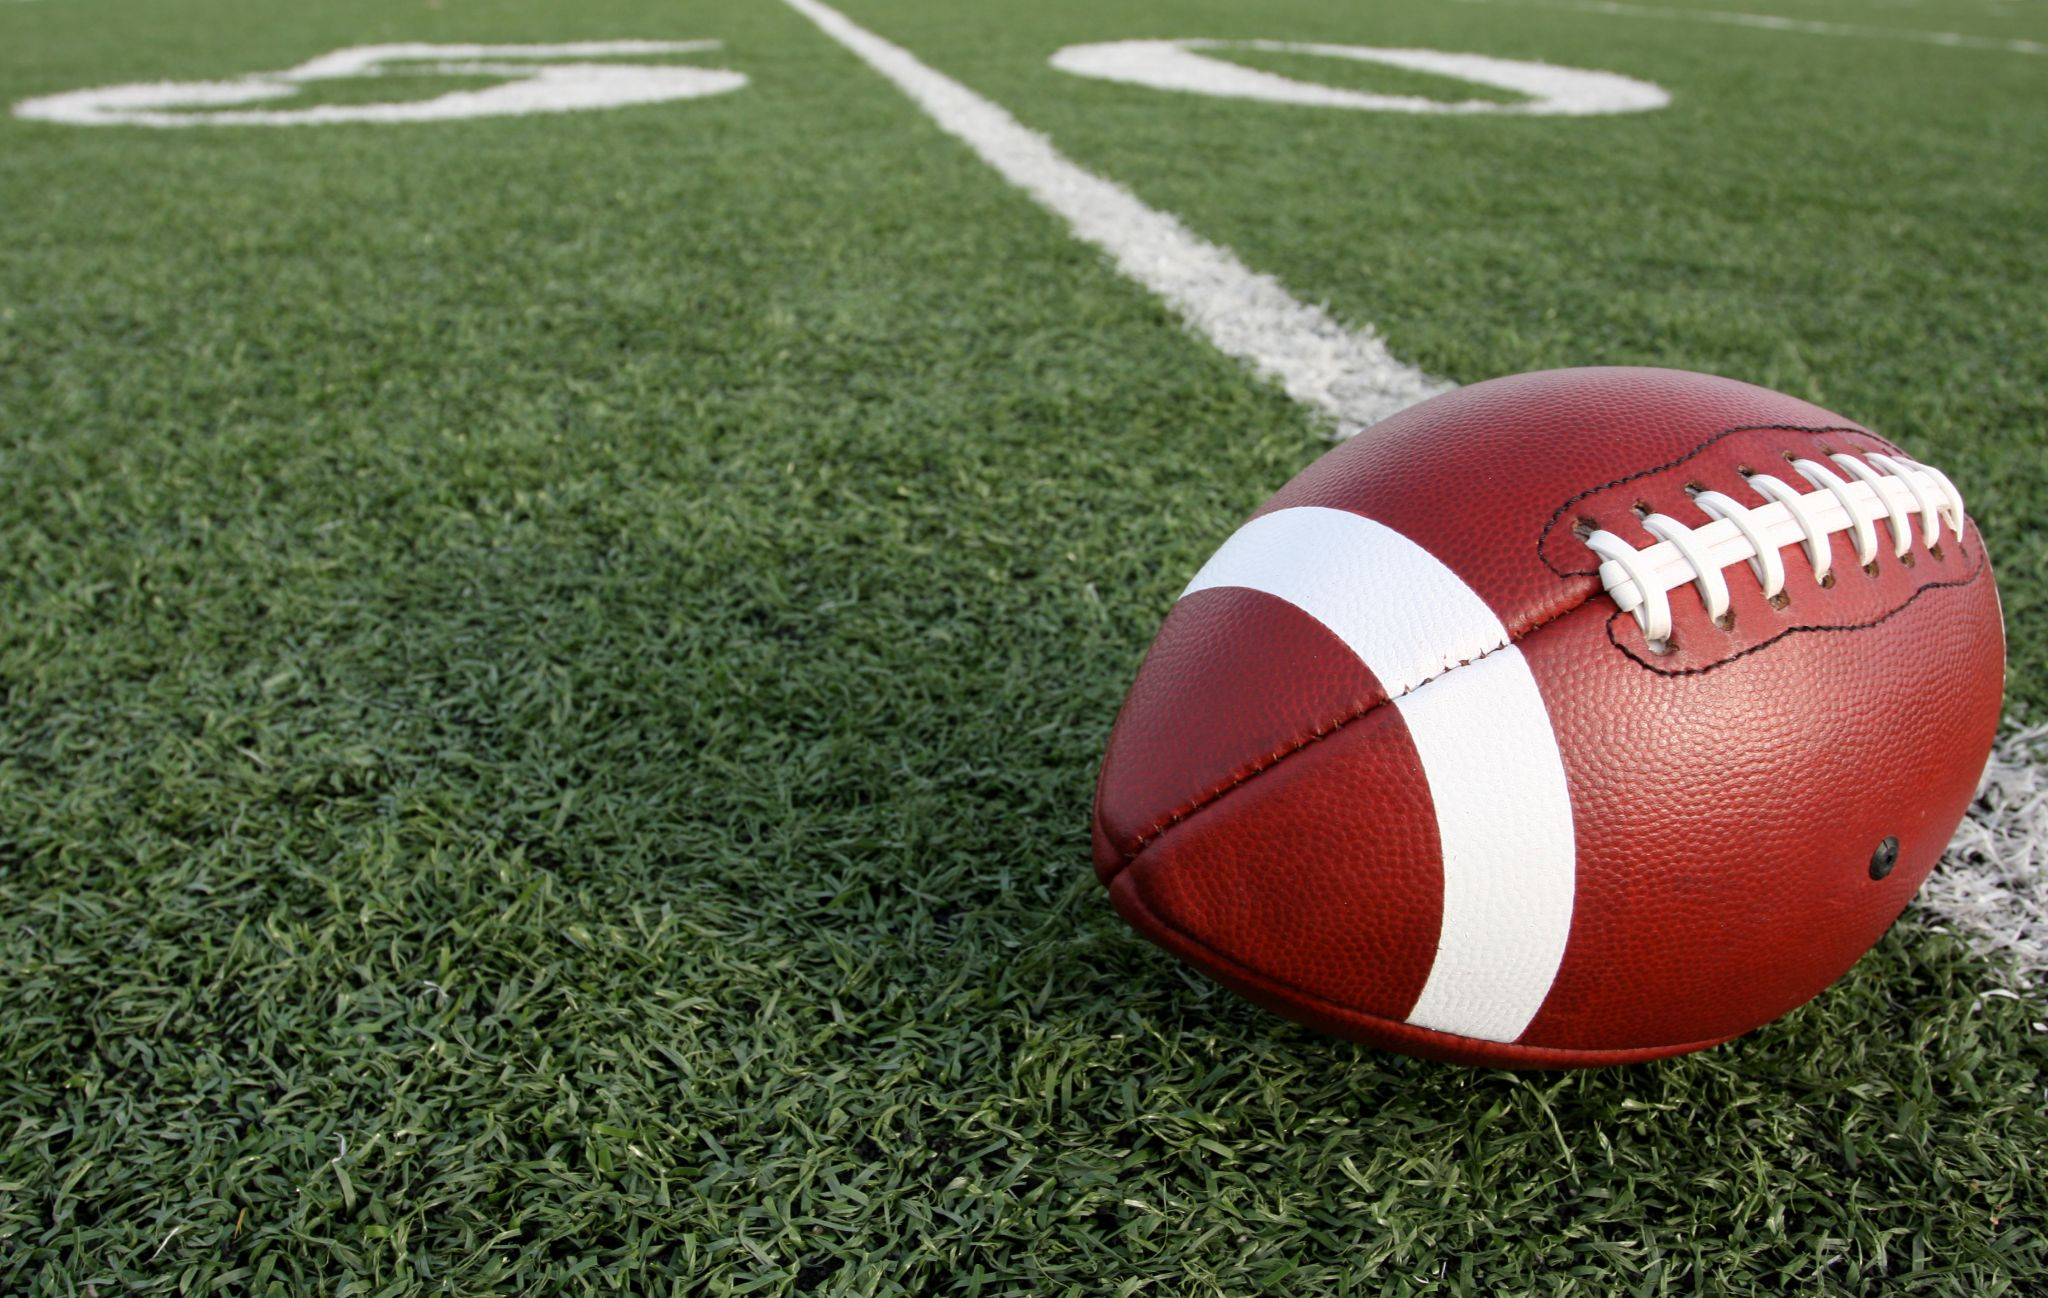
1223 644
1262 812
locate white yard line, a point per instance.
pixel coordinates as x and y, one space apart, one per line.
1991 889
1773 22
1346 373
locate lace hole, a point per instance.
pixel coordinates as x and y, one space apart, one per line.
1935 550
1585 527
1907 558
1695 488
1726 621
1781 601
1870 569
1828 582
1745 470
1642 509
1659 647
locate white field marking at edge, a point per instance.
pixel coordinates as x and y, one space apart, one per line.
1991 888
1504 823
1773 22
552 87
1175 65
1347 374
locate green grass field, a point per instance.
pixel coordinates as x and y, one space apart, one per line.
551 667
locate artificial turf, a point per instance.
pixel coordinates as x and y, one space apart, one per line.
551 668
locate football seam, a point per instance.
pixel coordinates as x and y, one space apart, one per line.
1243 775
1543 537
1740 654
1338 1009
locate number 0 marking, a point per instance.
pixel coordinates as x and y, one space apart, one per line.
1551 91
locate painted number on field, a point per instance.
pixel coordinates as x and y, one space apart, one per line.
1547 90
535 80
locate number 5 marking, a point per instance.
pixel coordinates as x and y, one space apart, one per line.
531 88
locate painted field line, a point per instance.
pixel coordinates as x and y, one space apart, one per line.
1772 22
1346 373
1991 890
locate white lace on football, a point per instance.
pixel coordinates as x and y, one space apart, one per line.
1877 487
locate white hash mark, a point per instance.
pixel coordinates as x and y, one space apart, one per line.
1775 23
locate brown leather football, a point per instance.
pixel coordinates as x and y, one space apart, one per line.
1573 718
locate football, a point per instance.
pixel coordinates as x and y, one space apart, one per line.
1575 718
